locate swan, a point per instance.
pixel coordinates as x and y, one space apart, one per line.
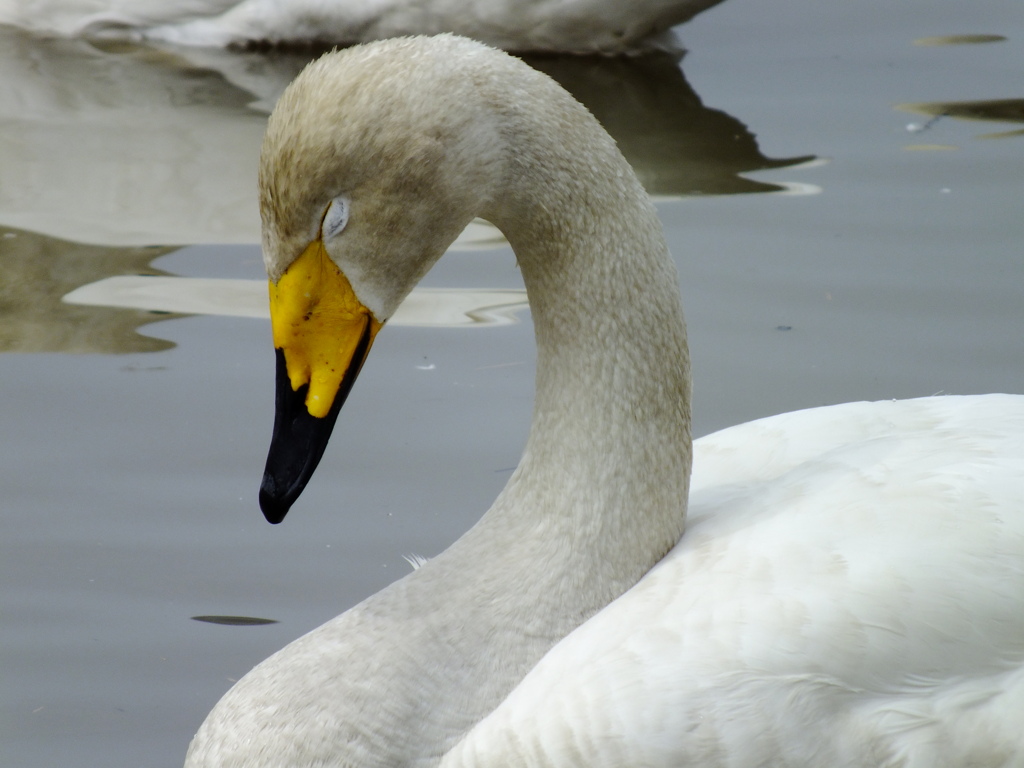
568 26
849 590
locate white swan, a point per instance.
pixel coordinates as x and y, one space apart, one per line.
575 26
850 587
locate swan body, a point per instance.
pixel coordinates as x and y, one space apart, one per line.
575 26
849 589
847 593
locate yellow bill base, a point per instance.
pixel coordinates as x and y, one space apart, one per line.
319 323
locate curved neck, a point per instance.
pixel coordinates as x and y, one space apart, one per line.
599 495
598 498
609 448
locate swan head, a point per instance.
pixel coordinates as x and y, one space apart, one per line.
374 160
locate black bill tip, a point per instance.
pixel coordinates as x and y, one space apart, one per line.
300 439
296 446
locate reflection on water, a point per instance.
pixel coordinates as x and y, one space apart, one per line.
57 296
131 147
959 40
124 146
235 621
996 110
423 308
676 145
36 271
159 146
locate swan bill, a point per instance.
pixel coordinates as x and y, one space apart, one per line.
299 439
322 335
319 323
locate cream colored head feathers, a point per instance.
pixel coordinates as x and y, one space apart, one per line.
374 124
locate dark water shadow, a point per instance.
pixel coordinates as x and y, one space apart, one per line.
677 145
36 271
992 110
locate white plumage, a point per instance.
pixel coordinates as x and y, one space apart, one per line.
847 593
849 589
578 26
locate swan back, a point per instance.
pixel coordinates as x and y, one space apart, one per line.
581 26
848 593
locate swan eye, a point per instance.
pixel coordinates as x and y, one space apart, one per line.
335 218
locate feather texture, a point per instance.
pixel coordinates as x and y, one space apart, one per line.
849 588
577 26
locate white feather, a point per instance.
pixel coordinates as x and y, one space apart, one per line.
523 25
849 588
848 592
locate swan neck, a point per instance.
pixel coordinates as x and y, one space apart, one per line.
608 456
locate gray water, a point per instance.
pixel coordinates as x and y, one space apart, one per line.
831 247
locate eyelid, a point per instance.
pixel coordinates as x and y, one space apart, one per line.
335 217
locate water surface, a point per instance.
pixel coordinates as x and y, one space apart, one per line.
831 245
